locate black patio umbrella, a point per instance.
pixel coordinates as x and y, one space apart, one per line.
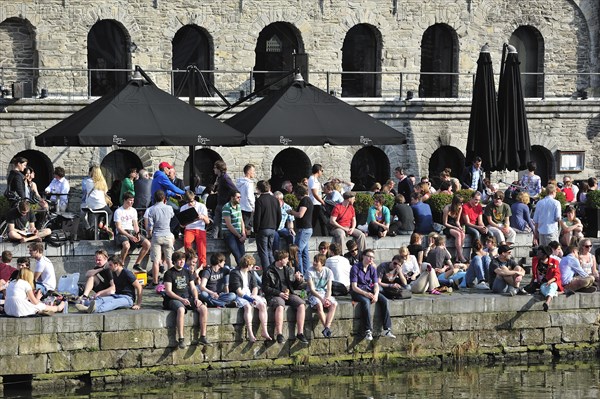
484 129
139 114
301 114
514 131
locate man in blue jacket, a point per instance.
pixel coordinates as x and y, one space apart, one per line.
161 181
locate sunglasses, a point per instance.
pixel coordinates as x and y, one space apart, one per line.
588 246
395 263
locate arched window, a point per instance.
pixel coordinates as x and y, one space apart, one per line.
117 163
361 52
108 48
17 41
192 46
204 160
41 165
439 54
442 158
369 165
277 46
290 164
544 161
530 47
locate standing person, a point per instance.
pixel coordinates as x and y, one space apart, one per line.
303 217
44 275
225 190
285 229
15 181
245 186
161 181
546 217
128 231
279 283
364 284
267 217
196 230
405 185
497 215
59 189
315 193
175 180
143 190
422 214
532 182
472 217
180 295
321 298
162 240
232 225
343 222
472 177
127 184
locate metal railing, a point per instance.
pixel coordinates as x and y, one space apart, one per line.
78 82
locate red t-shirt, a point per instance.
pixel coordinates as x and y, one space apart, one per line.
568 194
6 271
472 212
343 214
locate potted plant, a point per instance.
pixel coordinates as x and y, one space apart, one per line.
362 203
437 202
592 213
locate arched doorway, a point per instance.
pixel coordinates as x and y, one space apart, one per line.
204 160
530 47
192 46
108 48
361 53
442 158
290 164
42 166
439 53
275 49
116 164
369 165
17 41
544 161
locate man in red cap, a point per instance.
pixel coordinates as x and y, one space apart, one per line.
161 181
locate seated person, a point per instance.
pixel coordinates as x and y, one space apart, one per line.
21 299
521 220
59 189
352 254
497 218
472 217
573 277
6 270
403 221
391 278
44 275
439 258
422 214
21 224
340 267
320 297
99 280
214 283
343 222
128 291
570 226
378 218
504 274
128 232
478 269
180 295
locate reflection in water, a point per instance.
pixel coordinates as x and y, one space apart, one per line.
561 380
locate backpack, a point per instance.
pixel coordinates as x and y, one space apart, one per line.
58 238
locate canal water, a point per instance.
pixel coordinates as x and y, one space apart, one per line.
554 380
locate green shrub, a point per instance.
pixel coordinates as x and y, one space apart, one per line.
291 200
362 203
593 199
561 197
465 194
438 201
388 200
4 207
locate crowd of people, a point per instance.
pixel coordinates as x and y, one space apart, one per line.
286 275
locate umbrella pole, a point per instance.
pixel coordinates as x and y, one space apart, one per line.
192 102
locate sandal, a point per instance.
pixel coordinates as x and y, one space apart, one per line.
434 292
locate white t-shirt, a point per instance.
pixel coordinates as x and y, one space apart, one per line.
198 224
340 267
126 217
313 183
47 277
17 304
411 265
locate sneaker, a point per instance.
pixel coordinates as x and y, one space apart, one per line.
388 334
545 306
302 338
512 291
181 343
326 332
521 291
369 335
92 307
280 338
204 341
588 290
482 286
81 307
161 269
138 268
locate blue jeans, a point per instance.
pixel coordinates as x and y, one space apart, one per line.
474 233
236 247
264 245
302 238
286 235
478 268
224 299
364 304
549 289
112 302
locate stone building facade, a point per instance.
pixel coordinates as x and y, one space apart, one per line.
558 41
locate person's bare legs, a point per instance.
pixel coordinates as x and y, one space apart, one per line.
330 314
278 320
248 310
263 317
300 312
143 252
125 251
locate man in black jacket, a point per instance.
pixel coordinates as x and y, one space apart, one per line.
279 282
267 217
405 186
472 176
143 190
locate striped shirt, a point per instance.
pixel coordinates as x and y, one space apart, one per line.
235 213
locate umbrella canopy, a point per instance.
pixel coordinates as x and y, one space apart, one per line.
301 114
139 114
514 131
484 129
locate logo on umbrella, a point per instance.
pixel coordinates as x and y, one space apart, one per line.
284 140
203 140
365 140
118 140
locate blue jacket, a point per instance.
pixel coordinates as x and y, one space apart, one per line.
160 181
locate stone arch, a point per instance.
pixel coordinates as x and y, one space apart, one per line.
204 159
116 163
530 47
445 157
193 45
275 48
361 52
18 44
439 53
108 48
42 166
369 165
545 163
290 164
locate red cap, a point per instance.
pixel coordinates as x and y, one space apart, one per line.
163 165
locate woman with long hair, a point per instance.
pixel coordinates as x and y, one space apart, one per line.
97 199
588 260
21 299
31 190
453 229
